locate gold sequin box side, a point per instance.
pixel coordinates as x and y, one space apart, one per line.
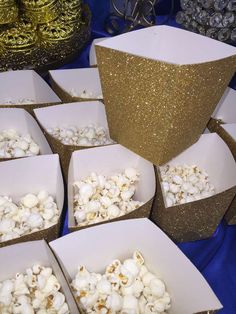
141 212
157 109
8 11
49 234
66 97
191 221
41 12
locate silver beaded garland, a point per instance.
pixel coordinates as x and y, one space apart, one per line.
213 18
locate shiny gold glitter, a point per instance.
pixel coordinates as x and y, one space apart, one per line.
230 216
191 221
48 235
141 212
157 109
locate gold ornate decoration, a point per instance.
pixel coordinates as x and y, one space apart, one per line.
8 11
28 44
42 11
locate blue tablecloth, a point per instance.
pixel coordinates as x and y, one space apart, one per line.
214 257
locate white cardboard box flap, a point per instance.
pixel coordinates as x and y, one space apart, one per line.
92 53
213 155
25 84
230 129
108 160
31 175
17 258
96 247
79 80
23 122
163 43
226 108
78 114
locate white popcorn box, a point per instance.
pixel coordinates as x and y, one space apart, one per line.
19 88
69 84
17 258
157 90
119 240
199 219
92 52
32 175
75 114
109 160
23 123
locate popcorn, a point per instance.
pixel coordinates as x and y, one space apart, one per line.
18 296
85 94
97 293
183 184
33 213
98 198
14 145
90 135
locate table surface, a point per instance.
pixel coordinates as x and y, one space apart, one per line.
215 257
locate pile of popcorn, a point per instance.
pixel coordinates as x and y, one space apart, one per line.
20 101
185 183
127 288
98 198
90 135
85 94
33 213
35 291
14 145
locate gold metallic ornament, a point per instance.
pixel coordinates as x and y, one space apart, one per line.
8 11
71 4
56 31
42 11
17 39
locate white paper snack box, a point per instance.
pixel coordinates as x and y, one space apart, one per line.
70 84
25 89
78 114
226 108
32 175
92 53
17 258
199 219
24 123
109 160
118 240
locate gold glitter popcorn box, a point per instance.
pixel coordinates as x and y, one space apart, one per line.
25 89
157 91
21 121
32 175
199 219
109 160
17 258
74 114
118 240
76 84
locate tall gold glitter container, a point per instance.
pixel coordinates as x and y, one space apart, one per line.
8 11
160 87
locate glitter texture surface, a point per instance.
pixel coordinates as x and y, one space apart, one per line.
191 221
157 109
